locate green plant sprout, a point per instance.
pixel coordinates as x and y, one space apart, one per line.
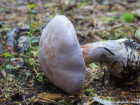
65 102
36 26
30 33
9 96
109 98
90 90
106 20
4 15
63 9
35 51
40 77
48 15
5 64
17 102
31 100
93 94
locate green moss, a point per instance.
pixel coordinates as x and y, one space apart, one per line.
127 17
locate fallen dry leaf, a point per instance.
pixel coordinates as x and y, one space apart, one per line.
51 96
3 73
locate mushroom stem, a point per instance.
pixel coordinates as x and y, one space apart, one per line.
114 54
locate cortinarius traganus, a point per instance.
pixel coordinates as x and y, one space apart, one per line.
62 59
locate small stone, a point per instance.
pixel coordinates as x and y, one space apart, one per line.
23 42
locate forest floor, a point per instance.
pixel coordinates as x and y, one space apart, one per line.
25 84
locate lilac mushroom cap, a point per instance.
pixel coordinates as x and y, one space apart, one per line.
60 55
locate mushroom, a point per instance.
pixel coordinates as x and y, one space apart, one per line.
63 60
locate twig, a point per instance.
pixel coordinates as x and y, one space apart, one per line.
46 99
92 78
124 24
90 102
95 5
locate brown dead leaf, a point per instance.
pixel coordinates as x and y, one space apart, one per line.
3 73
49 96
87 8
138 95
102 7
3 99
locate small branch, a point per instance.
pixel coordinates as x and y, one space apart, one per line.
90 102
95 5
92 78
